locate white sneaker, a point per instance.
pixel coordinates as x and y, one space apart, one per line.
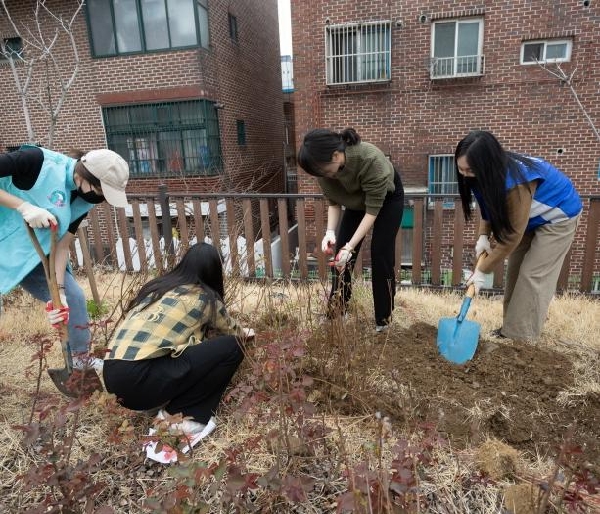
381 328
186 426
167 454
82 362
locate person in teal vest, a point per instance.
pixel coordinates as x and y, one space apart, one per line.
43 188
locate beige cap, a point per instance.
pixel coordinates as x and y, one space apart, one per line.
112 171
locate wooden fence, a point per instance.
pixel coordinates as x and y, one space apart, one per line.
434 246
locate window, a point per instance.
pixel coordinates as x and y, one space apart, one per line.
358 52
233 27
456 49
533 52
11 47
241 132
442 178
167 139
134 26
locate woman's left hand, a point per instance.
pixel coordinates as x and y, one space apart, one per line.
343 257
478 280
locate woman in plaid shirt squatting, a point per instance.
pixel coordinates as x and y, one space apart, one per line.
162 354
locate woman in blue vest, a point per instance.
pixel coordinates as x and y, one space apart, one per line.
41 187
531 209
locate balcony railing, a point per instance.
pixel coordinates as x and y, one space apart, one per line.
453 67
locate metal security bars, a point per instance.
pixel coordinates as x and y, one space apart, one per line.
358 52
167 139
442 178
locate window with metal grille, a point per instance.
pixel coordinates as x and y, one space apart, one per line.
534 52
11 47
137 26
358 52
166 139
456 49
442 178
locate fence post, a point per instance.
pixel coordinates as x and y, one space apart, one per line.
167 227
87 260
591 245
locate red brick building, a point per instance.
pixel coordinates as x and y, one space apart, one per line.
189 92
415 77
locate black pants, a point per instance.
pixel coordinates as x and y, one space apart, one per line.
383 256
191 384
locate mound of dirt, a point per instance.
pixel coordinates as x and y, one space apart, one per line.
508 391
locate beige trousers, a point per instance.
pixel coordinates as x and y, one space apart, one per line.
531 277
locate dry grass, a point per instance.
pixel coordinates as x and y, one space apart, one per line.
573 327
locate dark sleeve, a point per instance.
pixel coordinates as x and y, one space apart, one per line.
23 166
75 224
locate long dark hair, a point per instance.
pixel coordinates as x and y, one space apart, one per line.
201 264
318 147
490 164
83 172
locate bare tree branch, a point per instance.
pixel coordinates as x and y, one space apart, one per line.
567 79
39 45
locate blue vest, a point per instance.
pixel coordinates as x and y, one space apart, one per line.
555 199
51 191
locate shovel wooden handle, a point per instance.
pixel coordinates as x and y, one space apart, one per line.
49 264
471 289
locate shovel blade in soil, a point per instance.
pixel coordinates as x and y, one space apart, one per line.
77 383
457 340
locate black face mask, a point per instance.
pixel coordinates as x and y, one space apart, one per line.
90 196
471 182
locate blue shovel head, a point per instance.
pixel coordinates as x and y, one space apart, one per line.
458 337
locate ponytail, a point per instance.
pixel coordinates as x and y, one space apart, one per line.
350 137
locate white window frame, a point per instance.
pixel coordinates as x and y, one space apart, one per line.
546 42
449 65
350 67
440 167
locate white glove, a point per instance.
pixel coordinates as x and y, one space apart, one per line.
343 257
478 278
36 217
248 333
56 316
483 245
328 243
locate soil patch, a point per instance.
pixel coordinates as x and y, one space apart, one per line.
508 390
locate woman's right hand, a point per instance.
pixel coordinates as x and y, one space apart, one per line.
328 242
36 217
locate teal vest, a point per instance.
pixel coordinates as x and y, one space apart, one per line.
52 191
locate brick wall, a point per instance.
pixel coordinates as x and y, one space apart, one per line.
244 76
413 117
